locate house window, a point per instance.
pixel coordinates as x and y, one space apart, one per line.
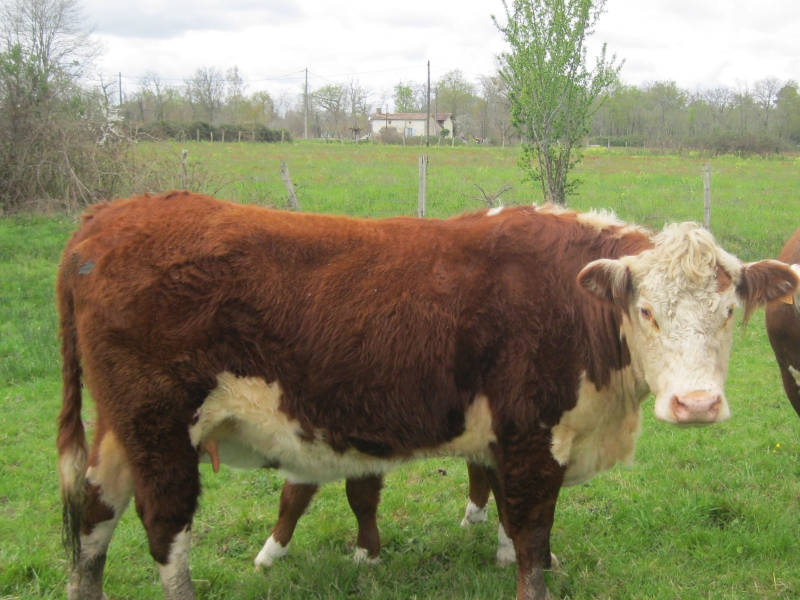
389 121
409 132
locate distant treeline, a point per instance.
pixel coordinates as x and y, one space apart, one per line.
759 119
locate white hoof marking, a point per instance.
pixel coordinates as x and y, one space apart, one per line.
362 557
474 514
506 554
271 552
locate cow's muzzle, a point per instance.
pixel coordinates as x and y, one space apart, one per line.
697 408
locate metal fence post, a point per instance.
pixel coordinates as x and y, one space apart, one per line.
423 185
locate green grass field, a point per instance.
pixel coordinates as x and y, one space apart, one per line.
704 513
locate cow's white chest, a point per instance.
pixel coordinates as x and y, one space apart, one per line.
242 414
601 430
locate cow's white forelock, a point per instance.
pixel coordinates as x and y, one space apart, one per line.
690 256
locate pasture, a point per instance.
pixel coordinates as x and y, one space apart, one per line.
704 513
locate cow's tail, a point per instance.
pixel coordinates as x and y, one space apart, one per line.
72 449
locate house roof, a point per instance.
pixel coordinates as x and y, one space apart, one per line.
420 116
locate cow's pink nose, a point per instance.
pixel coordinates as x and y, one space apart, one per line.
696 407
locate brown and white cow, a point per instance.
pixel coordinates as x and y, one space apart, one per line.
783 328
328 347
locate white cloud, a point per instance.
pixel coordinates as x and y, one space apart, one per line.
693 42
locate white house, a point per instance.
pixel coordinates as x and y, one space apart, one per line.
411 124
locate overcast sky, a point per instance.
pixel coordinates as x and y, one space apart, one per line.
697 43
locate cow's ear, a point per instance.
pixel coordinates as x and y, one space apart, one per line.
609 281
764 282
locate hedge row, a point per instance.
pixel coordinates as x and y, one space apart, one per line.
202 131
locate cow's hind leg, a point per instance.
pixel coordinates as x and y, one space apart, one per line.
479 489
167 486
364 495
109 486
295 498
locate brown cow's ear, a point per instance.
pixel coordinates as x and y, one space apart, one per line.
764 282
609 281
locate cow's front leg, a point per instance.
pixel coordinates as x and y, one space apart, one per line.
528 482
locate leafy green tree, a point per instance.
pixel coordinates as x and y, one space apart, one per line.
331 98
553 93
404 98
788 109
456 95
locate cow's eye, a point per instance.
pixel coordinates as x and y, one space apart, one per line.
648 316
730 313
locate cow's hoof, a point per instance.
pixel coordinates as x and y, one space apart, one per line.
271 552
474 514
361 557
506 556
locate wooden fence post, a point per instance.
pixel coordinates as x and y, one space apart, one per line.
184 174
707 196
198 136
423 185
212 136
289 187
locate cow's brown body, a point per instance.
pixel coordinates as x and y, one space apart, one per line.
783 328
354 344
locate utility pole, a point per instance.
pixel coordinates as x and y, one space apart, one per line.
120 88
305 111
428 120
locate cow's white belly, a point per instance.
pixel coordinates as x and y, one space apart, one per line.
601 430
242 414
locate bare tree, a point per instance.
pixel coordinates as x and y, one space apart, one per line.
282 102
721 101
205 91
52 32
358 98
48 146
765 94
160 94
234 98
495 94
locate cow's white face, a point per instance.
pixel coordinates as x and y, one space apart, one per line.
678 300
